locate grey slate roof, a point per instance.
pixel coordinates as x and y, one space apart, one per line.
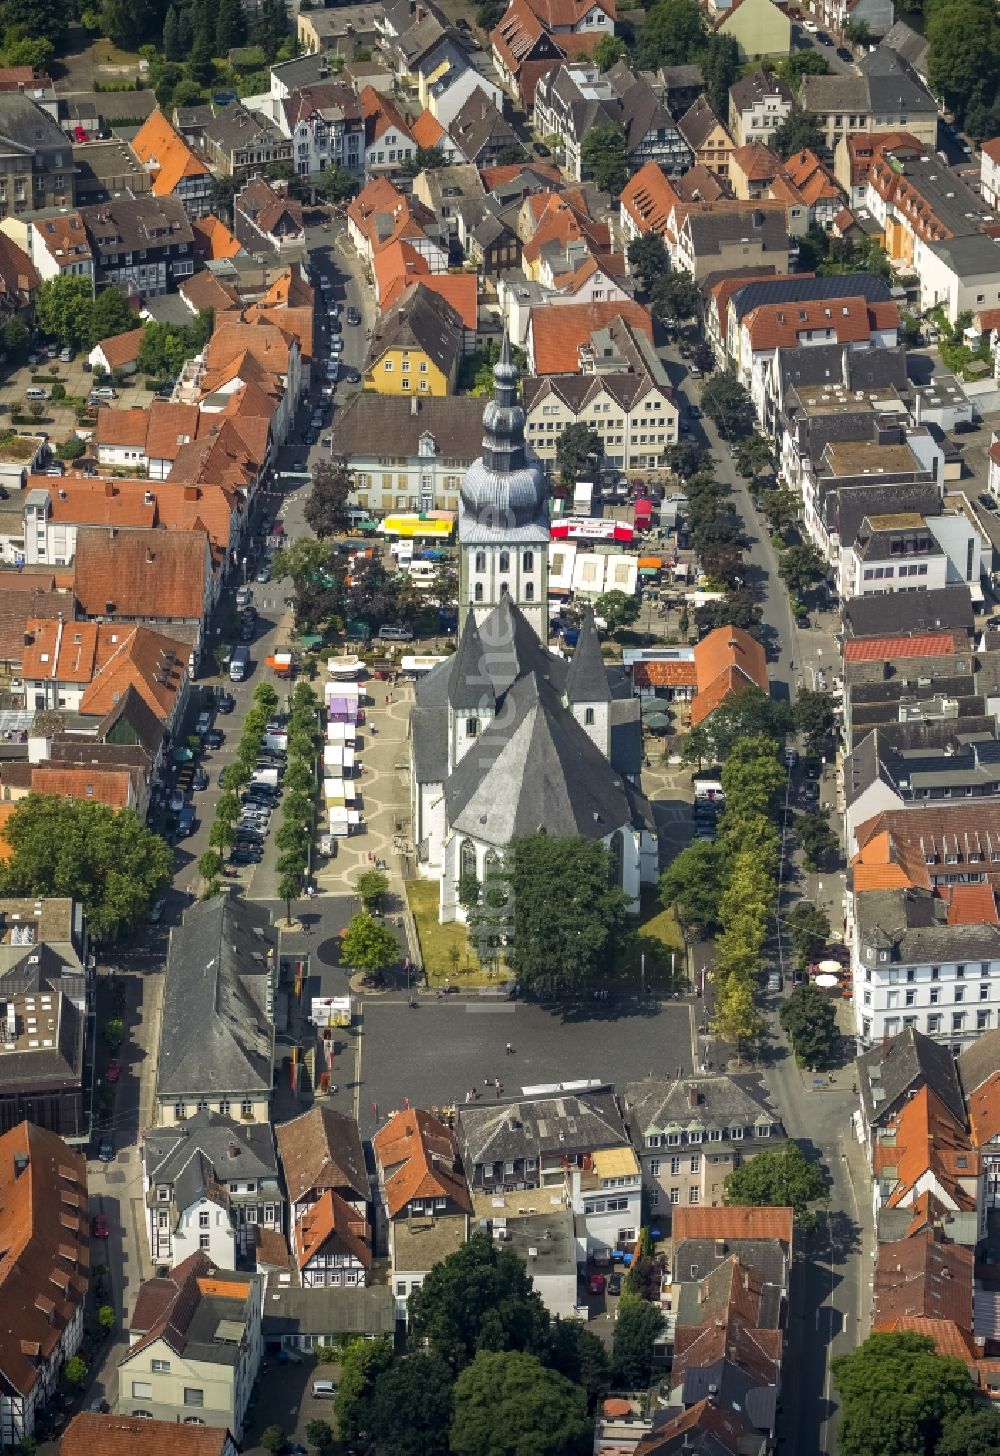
909 612
912 924
587 678
767 1258
979 1061
455 423
755 87
698 123
479 124
893 86
712 231
972 255
215 1035
234 1150
794 290
907 44
889 1074
290 1312
528 1127
420 320
723 1102
840 93
469 682
29 126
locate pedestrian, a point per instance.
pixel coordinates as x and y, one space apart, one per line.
498 1091
509 1048
486 1081
497 1081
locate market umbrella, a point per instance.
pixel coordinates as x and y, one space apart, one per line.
183 755
651 706
827 982
659 722
830 967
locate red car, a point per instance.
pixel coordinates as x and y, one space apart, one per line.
595 1283
113 1070
99 1227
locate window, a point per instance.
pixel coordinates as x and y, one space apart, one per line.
957 1020
696 1163
654 1167
478 593
588 717
178 1111
203 1220
246 1107
675 1195
163 1194
160 1367
142 1390
675 1166
959 993
504 560
529 591
204 1241
528 561
224 1106
933 1023
935 995
982 1020
193 1396
694 1194
269 1213
911 997
480 560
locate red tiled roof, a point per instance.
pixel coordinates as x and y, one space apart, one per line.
112 787
928 1140
380 113
664 674
557 333
213 240
923 1275
649 198
727 661
779 325
735 1222
117 1435
418 1158
558 15
427 131
332 1226
121 349
166 154
141 574
888 649
757 162
971 904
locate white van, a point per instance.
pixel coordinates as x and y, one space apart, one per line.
395 632
324 1389
35 391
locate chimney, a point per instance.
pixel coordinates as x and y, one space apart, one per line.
191 492
150 558
109 489
20 1163
414 405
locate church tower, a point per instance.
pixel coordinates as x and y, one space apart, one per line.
503 519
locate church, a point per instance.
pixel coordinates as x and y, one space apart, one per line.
506 737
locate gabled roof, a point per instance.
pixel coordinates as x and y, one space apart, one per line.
557 333
649 198
215 1035
977 1062
380 113
427 131
727 661
587 678
558 15
213 240
757 86
165 153
330 1227
141 574
417 1156
699 123
928 1140
46 1244
121 349
322 1149
735 1222
923 1275
588 1121
420 320
119 1435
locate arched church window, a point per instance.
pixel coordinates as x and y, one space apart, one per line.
504 560
529 591
617 849
528 561
468 860
478 593
588 717
480 560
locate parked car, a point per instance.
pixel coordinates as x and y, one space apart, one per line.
106 1148
177 801
156 913
264 574
113 1071
353 317
595 1283
215 738
614 1284
99 1227
844 54
224 702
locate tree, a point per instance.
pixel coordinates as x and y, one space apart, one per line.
64 308
508 1404
754 456
36 53
636 1328
810 1023
752 777
230 26
171 36
963 54
577 1353
617 608
320 1434
609 50
373 886
687 459
362 1362
815 715
108 861
781 508
15 336
211 865
897 1394
720 67
809 927
289 886
974 1432
693 883
801 567
336 184
648 258
273 1439
816 839
604 154
673 35
799 132
75 1370
410 1410
858 32
71 449
806 62
778 1178
569 913
729 406
326 508
106 1317
579 453
675 297
369 946
480 1298
737 1019
110 315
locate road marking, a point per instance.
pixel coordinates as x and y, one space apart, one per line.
357 1063
483 1008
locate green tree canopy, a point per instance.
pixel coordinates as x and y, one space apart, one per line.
478 1299
973 1432
336 184
410 1409
107 860
801 567
617 608
673 35
693 883
648 258
675 297
604 154
810 1023
361 1364
799 132
636 1328
805 62
814 715
609 50
898 1395
778 1178
963 55
721 67
579 453
568 915
369 945
373 886
782 509
809 928
326 508
817 839
729 406
577 1353
508 1404
64 308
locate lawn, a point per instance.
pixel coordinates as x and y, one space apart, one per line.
658 937
106 53
439 943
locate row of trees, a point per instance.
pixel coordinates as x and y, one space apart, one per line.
487 1372
298 817
106 860
66 309
235 778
